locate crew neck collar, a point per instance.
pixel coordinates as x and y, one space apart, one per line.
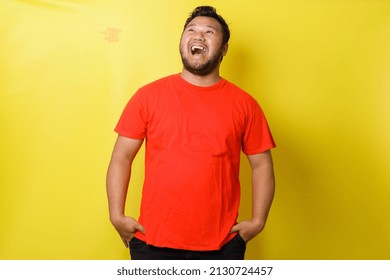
218 84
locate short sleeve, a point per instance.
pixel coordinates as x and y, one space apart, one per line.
133 121
257 137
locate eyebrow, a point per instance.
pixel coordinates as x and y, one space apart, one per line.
210 26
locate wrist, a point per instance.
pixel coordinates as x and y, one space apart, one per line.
115 217
258 223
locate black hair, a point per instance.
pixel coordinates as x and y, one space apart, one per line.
208 11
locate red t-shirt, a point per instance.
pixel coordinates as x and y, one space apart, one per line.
194 136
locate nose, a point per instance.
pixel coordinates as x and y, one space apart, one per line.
199 36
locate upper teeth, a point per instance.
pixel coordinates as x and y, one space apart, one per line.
193 48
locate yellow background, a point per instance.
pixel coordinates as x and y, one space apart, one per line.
320 70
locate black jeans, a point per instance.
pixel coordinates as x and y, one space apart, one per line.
233 250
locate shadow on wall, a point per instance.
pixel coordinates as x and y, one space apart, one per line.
236 65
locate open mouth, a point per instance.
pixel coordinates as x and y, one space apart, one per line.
197 49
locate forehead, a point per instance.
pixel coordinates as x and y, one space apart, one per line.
205 21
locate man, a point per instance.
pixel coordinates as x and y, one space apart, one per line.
195 124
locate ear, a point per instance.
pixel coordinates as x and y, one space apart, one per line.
225 49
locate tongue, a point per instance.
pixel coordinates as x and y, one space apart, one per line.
197 51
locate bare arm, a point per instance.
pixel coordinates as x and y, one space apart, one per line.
263 189
117 181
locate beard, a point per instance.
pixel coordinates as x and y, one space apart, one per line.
202 69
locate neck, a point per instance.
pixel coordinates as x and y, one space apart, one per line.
202 81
